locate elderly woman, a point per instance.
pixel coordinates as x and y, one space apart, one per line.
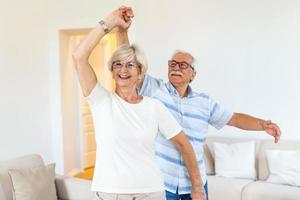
126 123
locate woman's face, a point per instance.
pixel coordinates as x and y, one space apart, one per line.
126 73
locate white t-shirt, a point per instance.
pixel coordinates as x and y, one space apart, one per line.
125 137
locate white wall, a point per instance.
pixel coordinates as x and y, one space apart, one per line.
30 74
24 80
246 52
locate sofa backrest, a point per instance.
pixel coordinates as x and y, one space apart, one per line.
24 162
263 170
261 145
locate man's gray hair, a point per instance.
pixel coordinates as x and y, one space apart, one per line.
194 61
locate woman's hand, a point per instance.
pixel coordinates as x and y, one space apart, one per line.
121 17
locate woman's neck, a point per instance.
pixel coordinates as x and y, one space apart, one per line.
129 94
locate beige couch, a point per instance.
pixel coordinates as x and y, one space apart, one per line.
221 188
67 188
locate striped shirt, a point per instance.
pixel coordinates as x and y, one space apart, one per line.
194 113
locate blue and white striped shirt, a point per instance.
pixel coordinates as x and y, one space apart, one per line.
194 113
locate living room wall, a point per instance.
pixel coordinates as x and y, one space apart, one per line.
30 74
247 52
24 80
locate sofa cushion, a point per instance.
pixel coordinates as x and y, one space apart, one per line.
73 188
284 167
242 154
263 171
261 190
209 155
220 188
24 162
34 184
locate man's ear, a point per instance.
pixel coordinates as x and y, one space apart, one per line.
193 75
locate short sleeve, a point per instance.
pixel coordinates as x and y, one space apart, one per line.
218 116
150 85
167 123
97 95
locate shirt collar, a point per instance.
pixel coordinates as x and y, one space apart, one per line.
173 90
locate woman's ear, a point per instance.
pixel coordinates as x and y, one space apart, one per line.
112 75
140 74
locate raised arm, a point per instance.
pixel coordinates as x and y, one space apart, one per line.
122 38
184 146
120 17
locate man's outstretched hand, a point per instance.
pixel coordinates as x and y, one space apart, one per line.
272 129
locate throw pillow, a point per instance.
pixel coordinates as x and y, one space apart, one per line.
34 184
236 160
284 167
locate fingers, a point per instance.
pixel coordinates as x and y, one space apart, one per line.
278 133
274 130
127 13
120 17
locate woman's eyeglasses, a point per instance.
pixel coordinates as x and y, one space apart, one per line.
128 65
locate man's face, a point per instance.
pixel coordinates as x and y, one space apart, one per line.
179 76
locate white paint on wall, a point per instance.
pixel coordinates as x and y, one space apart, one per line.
247 52
24 80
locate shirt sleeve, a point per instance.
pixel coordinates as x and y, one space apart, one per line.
167 123
218 116
97 95
150 85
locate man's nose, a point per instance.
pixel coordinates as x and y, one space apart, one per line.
176 67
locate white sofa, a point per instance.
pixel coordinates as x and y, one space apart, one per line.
221 188
67 188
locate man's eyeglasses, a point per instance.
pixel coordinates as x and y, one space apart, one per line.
182 65
128 65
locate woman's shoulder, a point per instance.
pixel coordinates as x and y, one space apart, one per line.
98 95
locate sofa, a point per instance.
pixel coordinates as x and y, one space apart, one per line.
229 188
67 188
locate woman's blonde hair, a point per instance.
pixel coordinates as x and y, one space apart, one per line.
129 52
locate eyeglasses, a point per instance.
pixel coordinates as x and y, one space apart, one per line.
128 65
182 65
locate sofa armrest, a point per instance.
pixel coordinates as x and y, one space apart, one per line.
69 188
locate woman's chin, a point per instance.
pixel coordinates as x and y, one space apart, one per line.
124 84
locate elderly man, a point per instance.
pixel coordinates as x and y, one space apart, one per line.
194 111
